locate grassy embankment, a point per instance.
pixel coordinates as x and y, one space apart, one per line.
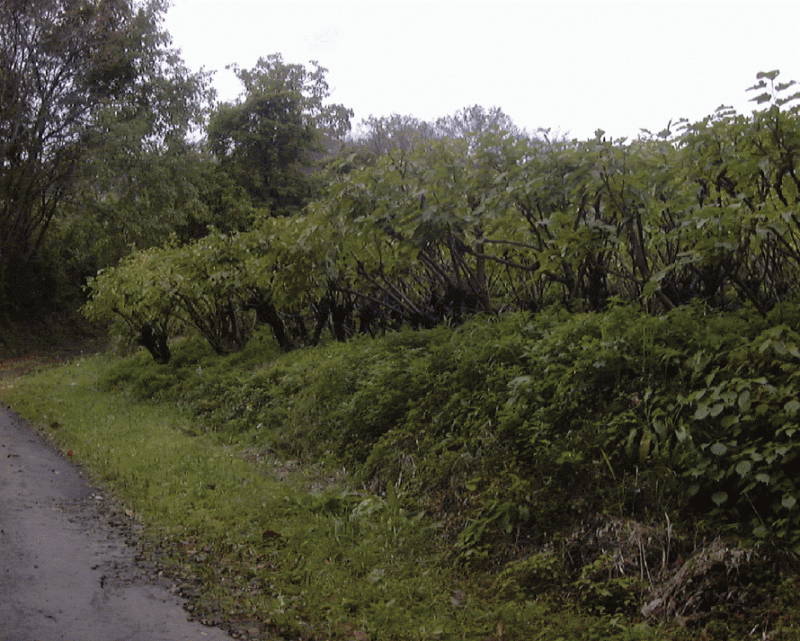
515 478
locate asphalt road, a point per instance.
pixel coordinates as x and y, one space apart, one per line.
65 572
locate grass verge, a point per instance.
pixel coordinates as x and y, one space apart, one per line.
267 548
449 484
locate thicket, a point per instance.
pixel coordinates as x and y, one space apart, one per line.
449 227
581 454
588 368
690 413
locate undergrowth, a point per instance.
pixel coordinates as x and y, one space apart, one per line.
459 482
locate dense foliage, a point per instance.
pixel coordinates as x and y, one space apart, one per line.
611 459
587 365
698 412
82 83
269 547
440 228
268 141
589 354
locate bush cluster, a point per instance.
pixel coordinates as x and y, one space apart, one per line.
446 229
512 429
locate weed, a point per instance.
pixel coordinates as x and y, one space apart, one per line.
457 483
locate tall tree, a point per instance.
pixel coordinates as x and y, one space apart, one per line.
62 64
379 135
268 141
471 123
142 177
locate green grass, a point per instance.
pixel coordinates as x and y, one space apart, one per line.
274 547
381 490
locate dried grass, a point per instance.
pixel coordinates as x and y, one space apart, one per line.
685 586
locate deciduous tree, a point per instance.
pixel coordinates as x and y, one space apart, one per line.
268 140
76 76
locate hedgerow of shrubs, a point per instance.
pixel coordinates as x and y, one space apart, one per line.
510 429
445 230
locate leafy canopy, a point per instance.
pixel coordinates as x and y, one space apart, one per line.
86 86
268 140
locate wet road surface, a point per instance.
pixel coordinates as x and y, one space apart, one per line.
65 573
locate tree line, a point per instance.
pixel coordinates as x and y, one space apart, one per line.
436 228
117 165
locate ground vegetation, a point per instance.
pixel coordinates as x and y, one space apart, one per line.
559 377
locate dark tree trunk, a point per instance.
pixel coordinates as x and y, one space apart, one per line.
267 314
155 343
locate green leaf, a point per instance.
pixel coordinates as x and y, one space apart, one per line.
650 288
792 407
660 428
520 381
702 412
744 401
644 447
719 449
716 410
630 442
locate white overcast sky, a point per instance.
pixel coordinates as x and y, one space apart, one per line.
571 65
